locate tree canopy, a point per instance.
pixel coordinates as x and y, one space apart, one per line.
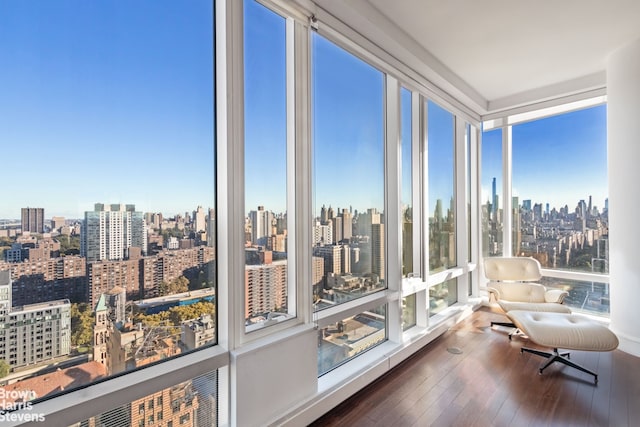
82 321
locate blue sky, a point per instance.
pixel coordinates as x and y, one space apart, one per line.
113 102
106 102
265 110
558 160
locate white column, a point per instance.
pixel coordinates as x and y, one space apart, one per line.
623 128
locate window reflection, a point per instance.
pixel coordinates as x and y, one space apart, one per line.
343 340
442 296
409 312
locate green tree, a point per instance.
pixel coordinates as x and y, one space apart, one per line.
176 286
69 245
4 369
82 321
180 313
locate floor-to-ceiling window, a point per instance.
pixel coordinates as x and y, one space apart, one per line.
107 116
265 168
442 203
348 178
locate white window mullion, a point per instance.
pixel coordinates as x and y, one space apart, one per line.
417 186
476 237
507 218
422 298
292 177
303 171
462 241
393 203
230 171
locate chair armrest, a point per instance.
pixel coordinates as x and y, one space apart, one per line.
494 292
555 295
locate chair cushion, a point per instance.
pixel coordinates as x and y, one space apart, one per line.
548 307
569 331
520 269
523 292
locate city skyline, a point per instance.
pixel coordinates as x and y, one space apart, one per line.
574 168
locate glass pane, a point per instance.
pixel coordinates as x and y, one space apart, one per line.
442 296
112 249
560 191
585 297
348 157
491 213
408 312
442 231
265 166
189 404
407 188
344 340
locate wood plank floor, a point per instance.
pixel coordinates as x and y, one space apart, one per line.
490 383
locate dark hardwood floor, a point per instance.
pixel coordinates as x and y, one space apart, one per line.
490 383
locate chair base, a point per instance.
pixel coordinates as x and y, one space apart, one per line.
515 331
558 357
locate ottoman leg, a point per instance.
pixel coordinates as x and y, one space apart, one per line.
557 357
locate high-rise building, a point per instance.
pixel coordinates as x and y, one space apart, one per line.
347 224
110 231
33 333
211 228
322 233
261 226
199 220
337 229
330 213
57 222
33 220
323 215
377 250
494 196
38 281
265 287
337 258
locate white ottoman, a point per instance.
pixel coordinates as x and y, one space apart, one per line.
567 331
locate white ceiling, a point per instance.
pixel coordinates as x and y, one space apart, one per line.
504 52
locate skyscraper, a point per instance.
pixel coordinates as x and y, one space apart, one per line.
347 224
261 224
33 220
377 250
494 196
199 223
110 231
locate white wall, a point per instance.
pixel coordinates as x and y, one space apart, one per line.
273 375
623 123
